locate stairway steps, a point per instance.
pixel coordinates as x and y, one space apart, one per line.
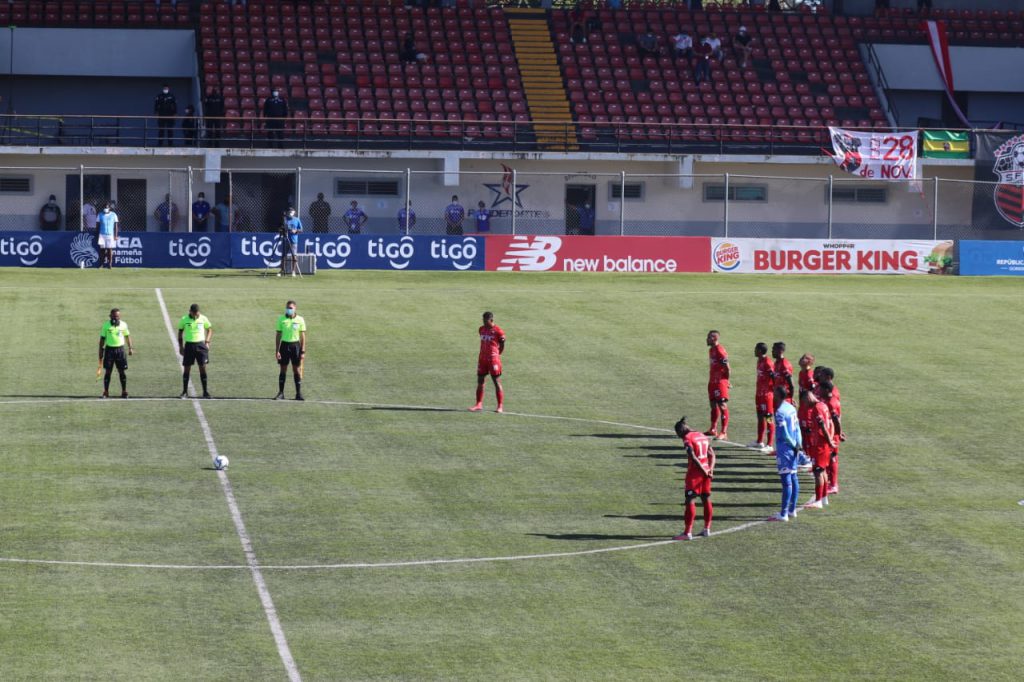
541 76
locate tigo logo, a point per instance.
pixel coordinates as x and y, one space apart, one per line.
197 252
460 253
27 251
726 256
531 253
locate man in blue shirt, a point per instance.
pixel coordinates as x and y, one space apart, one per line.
586 219
788 444
355 218
200 213
290 245
406 219
166 214
106 230
454 214
483 218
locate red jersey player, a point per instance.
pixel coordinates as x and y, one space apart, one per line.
806 383
492 345
783 371
819 447
718 385
764 401
829 394
700 468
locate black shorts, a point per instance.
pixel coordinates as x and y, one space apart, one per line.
290 352
195 352
115 357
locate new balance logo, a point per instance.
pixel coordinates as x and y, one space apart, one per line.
531 253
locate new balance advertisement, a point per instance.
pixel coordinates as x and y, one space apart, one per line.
999 158
363 252
837 256
992 258
539 253
140 250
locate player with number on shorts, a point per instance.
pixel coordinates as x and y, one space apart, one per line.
819 447
718 385
700 468
492 345
764 400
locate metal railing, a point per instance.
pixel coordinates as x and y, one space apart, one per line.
586 201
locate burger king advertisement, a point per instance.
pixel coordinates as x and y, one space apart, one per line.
832 256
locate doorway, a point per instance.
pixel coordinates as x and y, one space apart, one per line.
131 205
260 199
580 209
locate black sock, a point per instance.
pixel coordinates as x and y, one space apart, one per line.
124 382
184 383
106 382
202 377
298 385
280 383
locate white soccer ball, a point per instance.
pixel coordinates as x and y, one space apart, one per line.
220 462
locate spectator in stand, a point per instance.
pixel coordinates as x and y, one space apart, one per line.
923 5
190 126
406 219
409 52
200 214
702 69
482 217
716 47
320 212
774 6
614 4
165 106
213 110
89 215
647 45
696 5
683 44
577 32
49 215
454 214
355 218
166 214
222 216
586 224
275 111
743 42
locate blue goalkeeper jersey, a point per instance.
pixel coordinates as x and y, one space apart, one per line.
788 441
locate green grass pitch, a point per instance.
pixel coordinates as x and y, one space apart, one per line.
913 572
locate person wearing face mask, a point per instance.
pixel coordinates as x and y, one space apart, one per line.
114 336
165 106
194 334
587 219
290 347
106 229
275 111
290 241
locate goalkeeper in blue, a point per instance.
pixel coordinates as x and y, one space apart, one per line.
788 446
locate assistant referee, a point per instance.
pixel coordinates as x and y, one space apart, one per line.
194 334
290 347
113 337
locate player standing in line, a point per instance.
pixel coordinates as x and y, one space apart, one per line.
492 345
788 444
820 444
783 369
700 469
718 385
290 346
829 395
107 227
806 383
194 334
764 399
113 337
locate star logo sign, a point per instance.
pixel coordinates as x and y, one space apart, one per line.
503 190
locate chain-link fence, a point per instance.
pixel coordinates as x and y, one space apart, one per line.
508 201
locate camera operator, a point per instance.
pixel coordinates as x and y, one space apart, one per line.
290 241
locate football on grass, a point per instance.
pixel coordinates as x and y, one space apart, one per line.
220 462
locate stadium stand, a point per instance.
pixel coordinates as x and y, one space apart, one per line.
341 68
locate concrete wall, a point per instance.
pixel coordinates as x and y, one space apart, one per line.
98 52
975 69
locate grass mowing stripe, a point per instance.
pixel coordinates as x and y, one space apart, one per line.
243 534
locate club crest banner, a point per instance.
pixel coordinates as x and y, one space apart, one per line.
876 156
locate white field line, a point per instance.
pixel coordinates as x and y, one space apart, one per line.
236 515
368 565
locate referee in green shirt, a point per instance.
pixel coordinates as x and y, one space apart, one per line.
290 347
194 334
114 336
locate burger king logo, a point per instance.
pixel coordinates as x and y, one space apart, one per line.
726 256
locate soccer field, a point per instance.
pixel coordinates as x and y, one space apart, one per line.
395 535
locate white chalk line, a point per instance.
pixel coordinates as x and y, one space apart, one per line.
382 564
236 516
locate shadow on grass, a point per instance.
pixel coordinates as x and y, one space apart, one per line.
665 455
595 536
718 504
646 517
623 435
411 409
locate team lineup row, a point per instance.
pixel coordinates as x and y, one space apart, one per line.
805 436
